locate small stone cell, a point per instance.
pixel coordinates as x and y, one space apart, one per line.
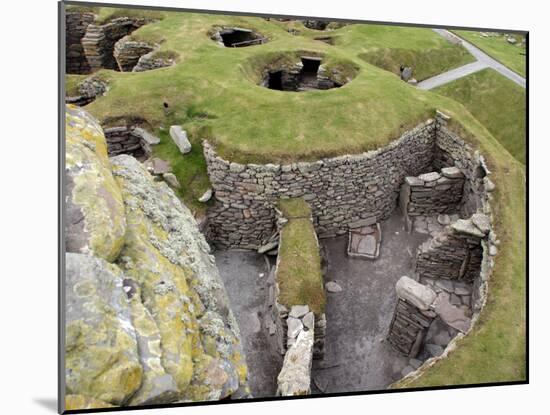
305 75
237 37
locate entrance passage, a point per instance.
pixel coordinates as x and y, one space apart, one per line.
308 75
275 80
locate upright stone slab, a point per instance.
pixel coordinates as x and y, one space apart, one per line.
179 137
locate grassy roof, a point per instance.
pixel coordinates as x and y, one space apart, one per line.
299 263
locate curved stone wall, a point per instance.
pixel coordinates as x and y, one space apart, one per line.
343 192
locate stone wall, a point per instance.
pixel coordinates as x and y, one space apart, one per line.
295 376
151 61
129 140
452 150
432 193
75 28
456 252
343 192
99 41
127 53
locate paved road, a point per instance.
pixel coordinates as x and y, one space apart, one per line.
482 61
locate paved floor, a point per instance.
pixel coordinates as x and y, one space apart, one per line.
357 358
482 61
244 275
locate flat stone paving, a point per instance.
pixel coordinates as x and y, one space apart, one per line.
357 357
240 272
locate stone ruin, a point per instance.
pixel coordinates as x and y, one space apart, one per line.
132 140
91 47
237 37
434 177
306 75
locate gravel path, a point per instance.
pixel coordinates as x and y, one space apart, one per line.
483 61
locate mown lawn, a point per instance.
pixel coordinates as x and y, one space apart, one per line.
497 103
513 56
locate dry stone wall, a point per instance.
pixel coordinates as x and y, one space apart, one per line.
344 192
127 53
432 193
455 254
99 41
75 28
129 140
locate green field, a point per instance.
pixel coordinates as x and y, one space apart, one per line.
498 103
513 56
213 93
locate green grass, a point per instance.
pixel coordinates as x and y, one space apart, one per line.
299 263
497 103
71 84
295 208
513 56
211 93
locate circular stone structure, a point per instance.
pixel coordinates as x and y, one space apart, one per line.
306 72
236 37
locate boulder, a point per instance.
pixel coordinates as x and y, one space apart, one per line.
180 285
95 221
101 354
415 293
179 137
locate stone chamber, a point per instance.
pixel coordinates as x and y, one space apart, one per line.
305 72
386 317
236 37
91 47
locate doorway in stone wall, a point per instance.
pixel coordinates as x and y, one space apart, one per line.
310 68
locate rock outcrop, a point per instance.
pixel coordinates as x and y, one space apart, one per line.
148 319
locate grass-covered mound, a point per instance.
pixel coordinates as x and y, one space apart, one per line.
511 55
299 263
498 103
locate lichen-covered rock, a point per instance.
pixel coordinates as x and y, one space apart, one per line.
73 402
157 386
95 211
148 320
169 258
101 356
